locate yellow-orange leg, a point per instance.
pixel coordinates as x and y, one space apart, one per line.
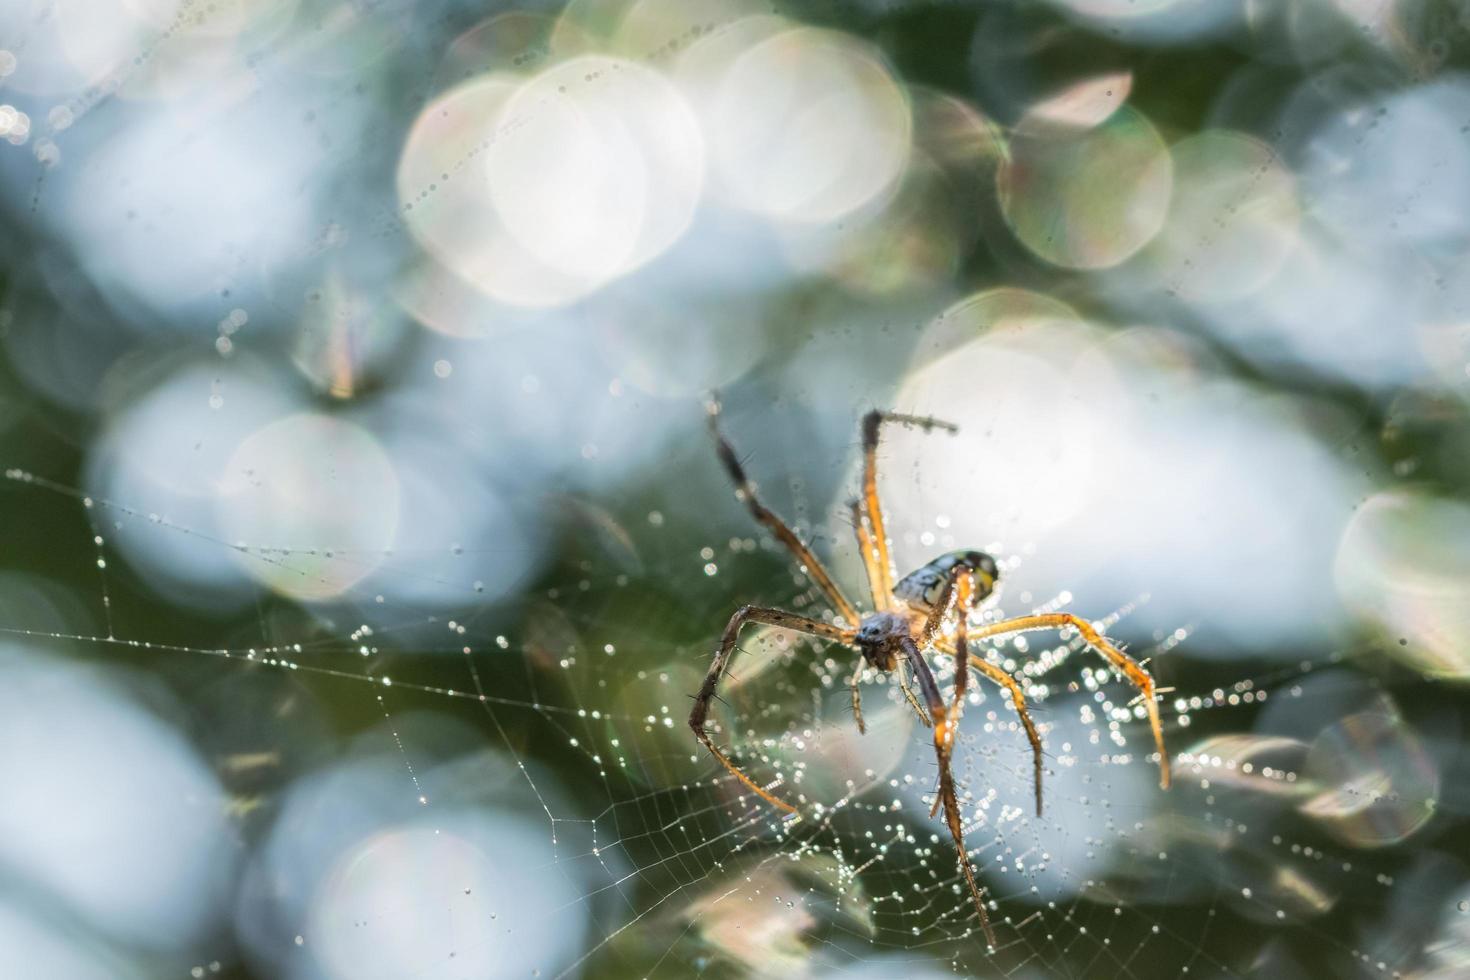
945 731
1018 698
872 422
882 600
960 591
1129 667
956 589
743 615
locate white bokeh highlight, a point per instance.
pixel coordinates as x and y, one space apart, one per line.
114 813
1087 465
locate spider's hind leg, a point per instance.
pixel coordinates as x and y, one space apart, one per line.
700 711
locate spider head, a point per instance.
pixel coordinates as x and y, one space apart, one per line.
879 636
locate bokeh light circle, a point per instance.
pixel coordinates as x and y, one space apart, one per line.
1403 566
162 456
464 892
597 167
1377 785
312 500
1005 310
1088 199
1233 222
1025 477
118 818
1395 169
447 207
807 126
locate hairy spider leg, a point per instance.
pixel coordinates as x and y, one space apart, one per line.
903 684
865 548
944 731
882 601
857 697
908 692
872 422
743 615
1129 667
959 590
1018 698
745 492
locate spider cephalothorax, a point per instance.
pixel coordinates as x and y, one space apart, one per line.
880 635
880 638
909 617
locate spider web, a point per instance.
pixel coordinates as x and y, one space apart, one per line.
574 723
388 762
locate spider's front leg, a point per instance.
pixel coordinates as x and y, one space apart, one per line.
882 602
743 615
745 493
908 693
945 729
882 583
903 685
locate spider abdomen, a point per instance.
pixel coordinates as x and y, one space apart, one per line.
924 587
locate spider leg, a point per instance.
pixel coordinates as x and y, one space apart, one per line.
745 492
965 598
903 683
960 590
882 601
1125 664
743 615
944 732
872 422
956 579
908 692
882 598
1018 698
857 697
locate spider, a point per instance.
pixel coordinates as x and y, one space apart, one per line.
909 616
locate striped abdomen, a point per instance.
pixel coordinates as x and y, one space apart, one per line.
922 588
